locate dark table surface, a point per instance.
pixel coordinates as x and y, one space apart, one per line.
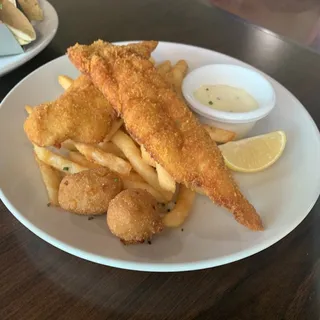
38 281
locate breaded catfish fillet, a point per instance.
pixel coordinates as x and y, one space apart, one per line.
81 113
158 119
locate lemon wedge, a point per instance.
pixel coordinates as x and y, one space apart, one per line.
254 154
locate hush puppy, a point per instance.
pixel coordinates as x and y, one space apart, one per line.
89 192
133 216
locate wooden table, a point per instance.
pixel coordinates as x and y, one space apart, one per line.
38 281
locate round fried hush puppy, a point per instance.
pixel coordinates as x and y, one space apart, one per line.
89 192
133 216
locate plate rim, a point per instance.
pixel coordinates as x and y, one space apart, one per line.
25 57
164 266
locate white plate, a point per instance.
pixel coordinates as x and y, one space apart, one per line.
45 30
283 194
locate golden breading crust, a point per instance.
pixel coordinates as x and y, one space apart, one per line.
89 192
82 114
158 119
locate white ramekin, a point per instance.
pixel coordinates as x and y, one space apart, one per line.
226 74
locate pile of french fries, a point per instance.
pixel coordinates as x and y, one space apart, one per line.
120 153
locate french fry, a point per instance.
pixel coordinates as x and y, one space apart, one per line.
165 180
28 109
65 81
219 135
176 75
130 184
56 161
152 60
110 147
164 67
146 157
133 176
51 178
199 190
77 157
132 152
180 212
69 145
108 160
116 125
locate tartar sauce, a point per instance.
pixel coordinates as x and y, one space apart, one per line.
226 98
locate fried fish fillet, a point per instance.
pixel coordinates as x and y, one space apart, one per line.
160 121
81 113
